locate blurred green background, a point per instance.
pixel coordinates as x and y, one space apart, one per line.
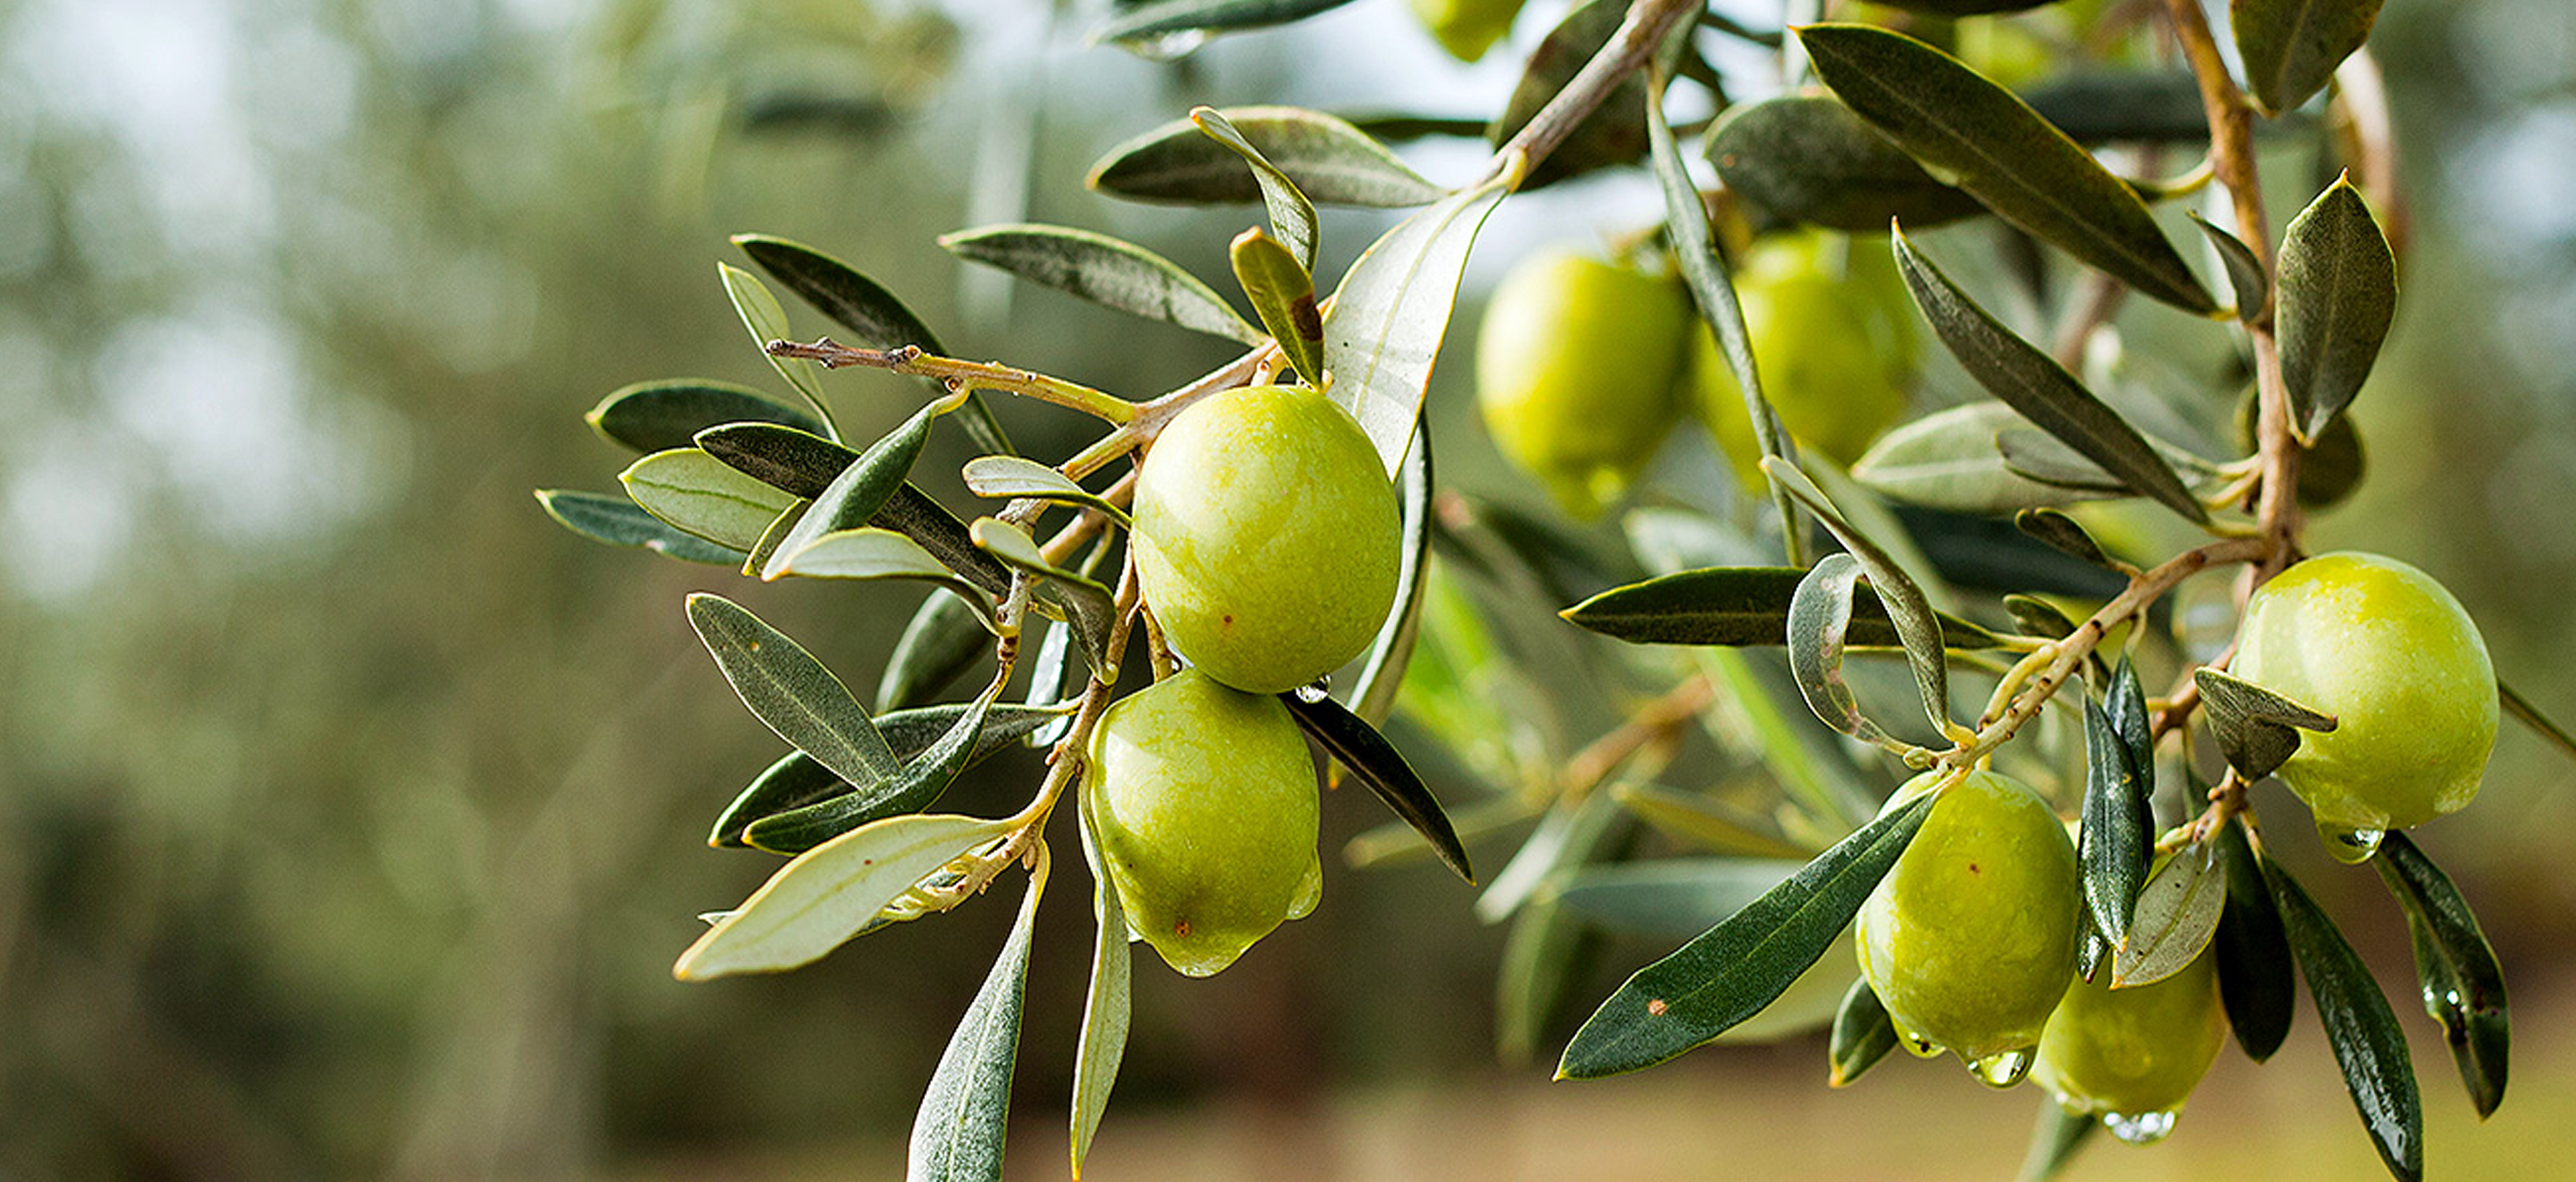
351 812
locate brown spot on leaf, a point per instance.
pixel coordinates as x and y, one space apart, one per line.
1656 1007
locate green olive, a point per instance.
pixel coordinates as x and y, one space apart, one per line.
1970 939
1575 362
1833 334
1467 28
2394 658
2132 1055
1202 800
1267 537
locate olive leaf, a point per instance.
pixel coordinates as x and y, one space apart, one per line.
2291 47
872 553
1967 130
1698 819
2253 952
1738 606
1330 161
853 498
700 495
2064 535
2257 730
1949 459
1108 1001
2338 295
1863 1034
806 465
1807 158
1359 747
957 1134
1566 835
1016 476
1820 615
2246 275
2463 984
2521 710
925 777
791 692
2359 1026
768 322
1388 316
1733 970
2178 914
1613 134
1371 694
2033 383
795 780
1292 215
1670 899
621 522
2038 617
658 416
1165 27
1917 625
2116 826
1283 294
825 895
1111 272
945 637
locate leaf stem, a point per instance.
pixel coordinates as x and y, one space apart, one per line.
963 376
1628 51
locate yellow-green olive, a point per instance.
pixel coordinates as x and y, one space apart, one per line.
1575 362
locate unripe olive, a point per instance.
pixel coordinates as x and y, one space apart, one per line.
1970 939
1575 362
2392 656
1834 336
2132 1055
1467 28
1202 800
1267 537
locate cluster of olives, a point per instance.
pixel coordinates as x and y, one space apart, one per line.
1971 940
1266 546
1582 366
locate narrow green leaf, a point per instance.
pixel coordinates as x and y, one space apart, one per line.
872 553
1733 970
1014 476
1111 272
2523 711
779 527
1863 1035
860 490
1545 951
2064 535
1387 318
874 317
1283 293
1359 747
1907 607
1949 460
957 1135
796 780
2178 914
1164 28
2359 1026
768 322
1107 1003
1737 606
1807 158
2463 984
1669 899
2253 953
925 777
826 895
1330 160
2338 295
2124 702
1703 821
618 521
944 638
913 514
1614 134
2054 1140
1371 694
2257 729
1975 134
1292 215
1567 834
659 416
2246 274
2121 104
1050 680
2114 844
791 692
700 495
789 459
2033 383
1820 615
2291 47
2038 617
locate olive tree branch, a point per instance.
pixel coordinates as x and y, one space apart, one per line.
961 375
1628 50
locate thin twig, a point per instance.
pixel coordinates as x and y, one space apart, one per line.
961 375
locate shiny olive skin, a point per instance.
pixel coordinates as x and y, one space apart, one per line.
1267 536
1971 937
1202 800
1575 367
2388 652
1834 338
2133 1051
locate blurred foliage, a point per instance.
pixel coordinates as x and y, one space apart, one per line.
350 812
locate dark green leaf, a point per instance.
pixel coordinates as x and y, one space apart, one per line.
1108 271
1670 899
2113 849
1614 134
2359 1026
1283 295
2038 617
700 495
1331 162
1950 460
2338 295
1108 1002
1976 134
873 316
2178 914
2522 711
1166 28
1820 615
957 1134
2245 273
1359 747
1807 158
944 639
791 460
1863 1035
2463 984
2033 383
2333 466
620 522
925 776
2124 702
1732 971
2064 535
2257 729
2122 105
1907 607
2253 953
2291 47
913 514
796 780
659 416
1737 606
860 490
1388 316
1292 213
2054 1141
791 692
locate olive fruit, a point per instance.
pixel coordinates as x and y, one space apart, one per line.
1833 334
1202 800
2392 656
1467 28
1970 939
1266 536
1575 362
2131 1056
